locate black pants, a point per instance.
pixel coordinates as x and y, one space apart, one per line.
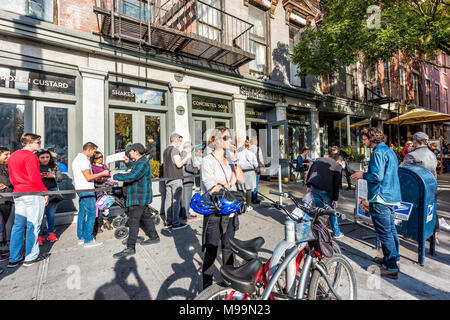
347 176
5 231
217 228
140 216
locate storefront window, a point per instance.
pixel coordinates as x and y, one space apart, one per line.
12 118
125 92
56 132
153 137
356 125
40 9
123 131
210 104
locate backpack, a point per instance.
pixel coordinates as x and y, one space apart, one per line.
323 243
104 202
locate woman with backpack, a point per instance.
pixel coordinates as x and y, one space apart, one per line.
51 175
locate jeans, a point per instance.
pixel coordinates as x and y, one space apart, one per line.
383 222
255 191
49 212
186 199
172 204
139 217
321 198
86 216
5 212
29 211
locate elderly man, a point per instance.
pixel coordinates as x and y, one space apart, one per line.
421 155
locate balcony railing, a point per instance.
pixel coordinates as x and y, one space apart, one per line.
186 27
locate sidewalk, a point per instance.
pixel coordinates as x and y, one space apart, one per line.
172 268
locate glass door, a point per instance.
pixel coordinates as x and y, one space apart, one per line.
132 126
203 127
16 117
57 132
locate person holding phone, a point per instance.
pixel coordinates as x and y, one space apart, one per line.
219 169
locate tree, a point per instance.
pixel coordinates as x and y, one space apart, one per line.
355 30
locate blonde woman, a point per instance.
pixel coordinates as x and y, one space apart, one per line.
219 169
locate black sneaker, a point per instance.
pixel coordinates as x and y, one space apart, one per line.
15 264
150 241
124 253
168 226
179 226
138 240
38 259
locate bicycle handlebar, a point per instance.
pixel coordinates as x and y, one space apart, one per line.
327 210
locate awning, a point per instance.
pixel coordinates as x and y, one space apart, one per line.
417 116
359 124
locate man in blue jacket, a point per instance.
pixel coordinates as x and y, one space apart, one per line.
383 188
138 182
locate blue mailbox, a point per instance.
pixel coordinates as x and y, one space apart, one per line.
416 217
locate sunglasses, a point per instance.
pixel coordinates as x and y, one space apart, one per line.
101 157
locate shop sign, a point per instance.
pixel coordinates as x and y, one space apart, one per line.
261 94
210 104
125 92
254 113
296 116
36 81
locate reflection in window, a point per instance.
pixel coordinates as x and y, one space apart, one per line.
153 137
56 133
124 92
123 131
12 121
133 8
40 9
200 134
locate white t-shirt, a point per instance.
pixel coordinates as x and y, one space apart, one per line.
80 163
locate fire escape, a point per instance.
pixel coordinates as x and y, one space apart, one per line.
190 28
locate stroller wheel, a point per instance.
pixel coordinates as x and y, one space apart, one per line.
121 233
117 222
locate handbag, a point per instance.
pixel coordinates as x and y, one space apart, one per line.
55 198
323 243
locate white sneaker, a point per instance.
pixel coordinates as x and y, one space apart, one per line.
80 242
249 208
92 243
340 235
443 224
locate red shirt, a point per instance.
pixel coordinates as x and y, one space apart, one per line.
24 172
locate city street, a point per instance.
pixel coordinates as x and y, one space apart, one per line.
172 268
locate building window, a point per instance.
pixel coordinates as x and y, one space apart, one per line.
210 19
40 9
445 100
428 92
133 8
416 89
438 97
258 40
402 84
294 36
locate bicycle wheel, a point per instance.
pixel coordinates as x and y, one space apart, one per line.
221 291
340 274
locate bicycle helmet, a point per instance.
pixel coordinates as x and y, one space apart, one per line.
201 205
228 206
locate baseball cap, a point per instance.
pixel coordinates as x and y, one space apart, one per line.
137 147
420 137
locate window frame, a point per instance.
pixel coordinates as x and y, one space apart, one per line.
55 16
259 42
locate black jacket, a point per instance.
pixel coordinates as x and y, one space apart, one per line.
4 179
325 174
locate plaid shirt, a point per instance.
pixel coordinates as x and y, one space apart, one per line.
138 182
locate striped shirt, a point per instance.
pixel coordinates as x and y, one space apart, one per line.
138 182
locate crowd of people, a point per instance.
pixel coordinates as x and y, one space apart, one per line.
33 169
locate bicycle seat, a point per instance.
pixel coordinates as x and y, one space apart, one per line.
242 278
247 250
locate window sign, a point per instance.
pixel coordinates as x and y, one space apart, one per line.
255 113
210 104
36 81
124 92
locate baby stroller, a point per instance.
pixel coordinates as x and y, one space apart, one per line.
115 194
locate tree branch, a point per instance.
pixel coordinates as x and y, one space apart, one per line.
419 7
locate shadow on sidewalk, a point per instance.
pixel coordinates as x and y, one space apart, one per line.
187 245
119 289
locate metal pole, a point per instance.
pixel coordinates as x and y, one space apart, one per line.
289 234
280 187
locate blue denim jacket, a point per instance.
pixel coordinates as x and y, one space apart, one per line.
382 177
